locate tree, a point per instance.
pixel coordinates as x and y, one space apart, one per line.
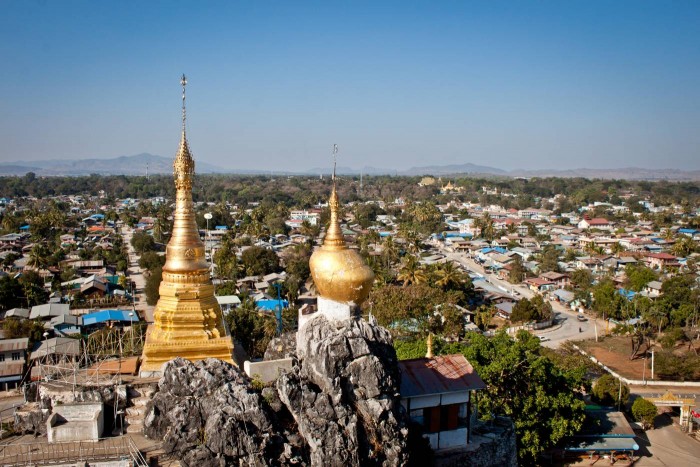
609 390
225 259
411 272
409 309
251 328
644 411
11 293
549 260
153 280
448 276
582 279
517 271
606 299
522 383
534 309
684 247
259 261
33 288
142 242
638 277
151 260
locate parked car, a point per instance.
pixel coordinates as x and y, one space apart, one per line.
580 317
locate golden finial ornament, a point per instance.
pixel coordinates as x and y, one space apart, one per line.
339 273
187 319
429 353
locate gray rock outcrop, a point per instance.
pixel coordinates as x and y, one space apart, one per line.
338 406
207 414
344 394
284 346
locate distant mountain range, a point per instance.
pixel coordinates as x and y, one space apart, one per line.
141 163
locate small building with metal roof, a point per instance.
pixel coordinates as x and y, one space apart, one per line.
436 393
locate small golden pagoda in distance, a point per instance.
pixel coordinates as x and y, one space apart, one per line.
187 319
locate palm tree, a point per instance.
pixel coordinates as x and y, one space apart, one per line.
38 256
617 248
390 251
683 247
447 274
411 272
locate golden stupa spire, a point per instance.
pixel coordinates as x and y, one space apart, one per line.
334 235
187 319
339 273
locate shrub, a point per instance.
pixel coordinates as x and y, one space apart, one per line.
644 412
606 391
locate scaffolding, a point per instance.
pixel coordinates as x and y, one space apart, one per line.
36 453
92 361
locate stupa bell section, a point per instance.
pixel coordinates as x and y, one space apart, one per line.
187 319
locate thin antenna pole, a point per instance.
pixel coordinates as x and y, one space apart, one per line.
335 156
183 81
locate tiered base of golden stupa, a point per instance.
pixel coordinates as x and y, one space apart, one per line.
187 323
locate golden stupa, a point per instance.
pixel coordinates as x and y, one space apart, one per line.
339 273
187 319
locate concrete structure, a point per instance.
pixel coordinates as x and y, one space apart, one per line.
75 422
267 370
436 393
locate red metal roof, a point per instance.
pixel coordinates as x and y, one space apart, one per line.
439 375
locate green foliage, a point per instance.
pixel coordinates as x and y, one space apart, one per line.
533 309
33 288
527 386
153 280
606 299
644 411
638 277
11 293
142 242
259 261
423 217
151 260
225 259
671 336
252 329
606 391
517 273
15 328
410 309
670 366
549 259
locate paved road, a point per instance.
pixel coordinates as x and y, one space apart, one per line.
667 445
136 275
567 326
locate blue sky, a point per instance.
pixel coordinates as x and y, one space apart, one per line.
272 85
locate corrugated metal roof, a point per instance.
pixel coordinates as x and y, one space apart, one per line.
103 316
57 345
8 345
439 375
11 368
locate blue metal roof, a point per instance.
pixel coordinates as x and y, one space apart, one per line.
271 305
103 316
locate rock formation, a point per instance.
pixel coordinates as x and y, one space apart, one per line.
207 414
344 394
339 405
284 346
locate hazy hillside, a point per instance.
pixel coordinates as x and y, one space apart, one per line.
124 165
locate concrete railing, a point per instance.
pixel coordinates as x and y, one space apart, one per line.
638 382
